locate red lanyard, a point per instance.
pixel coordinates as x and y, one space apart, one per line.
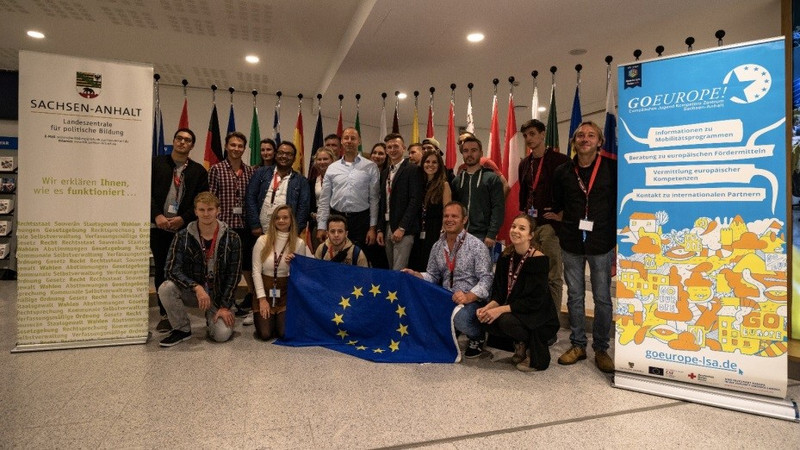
538 173
278 258
276 182
177 178
451 265
210 250
583 187
514 274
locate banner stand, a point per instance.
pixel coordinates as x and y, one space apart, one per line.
24 348
785 409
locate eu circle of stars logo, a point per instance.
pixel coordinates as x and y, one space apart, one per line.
345 318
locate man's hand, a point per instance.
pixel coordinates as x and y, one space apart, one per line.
322 235
380 240
371 236
203 300
553 216
162 222
398 234
411 272
175 223
489 242
226 315
257 232
462 298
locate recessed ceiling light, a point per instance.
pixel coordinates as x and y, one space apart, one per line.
475 37
577 51
402 95
542 109
36 34
252 59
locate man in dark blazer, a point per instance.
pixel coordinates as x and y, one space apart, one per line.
399 208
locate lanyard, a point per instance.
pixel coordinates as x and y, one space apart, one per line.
276 183
209 251
177 176
535 180
278 259
514 274
451 265
587 190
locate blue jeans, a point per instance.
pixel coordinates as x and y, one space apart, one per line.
600 274
466 321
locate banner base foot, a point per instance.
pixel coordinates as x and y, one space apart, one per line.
785 409
22 348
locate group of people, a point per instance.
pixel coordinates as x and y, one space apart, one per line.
399 209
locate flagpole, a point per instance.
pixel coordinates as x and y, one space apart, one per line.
339 124
719 35
415 122
156 150
276 125
470 119
357 125
255 134
430 130
535 100
689 41
450 155
660 50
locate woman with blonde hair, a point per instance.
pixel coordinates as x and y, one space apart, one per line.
271 256
521 307
323 158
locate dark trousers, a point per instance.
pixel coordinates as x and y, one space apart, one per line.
357 227
160 240
509 325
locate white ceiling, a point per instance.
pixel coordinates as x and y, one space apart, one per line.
373 46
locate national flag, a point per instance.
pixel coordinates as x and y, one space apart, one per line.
357 126
535 103
415 123
255 139
377 315
609 148
577 117
395 120
231 129
340 125
183 122
276 124
470 120
213 150
450 153
514 152
298 142
429 132
319 138
494 136
158 133
551 136
383 131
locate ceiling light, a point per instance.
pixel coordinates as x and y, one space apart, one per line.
542 109
475 37
36 34
252 59
402 95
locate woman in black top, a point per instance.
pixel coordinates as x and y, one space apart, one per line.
437 194
521 307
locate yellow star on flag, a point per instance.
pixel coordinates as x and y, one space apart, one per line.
345 303
352 342
342 333
338 318
392 296
375 290
403 330
357 292
401 311
395 346
361 347
378 350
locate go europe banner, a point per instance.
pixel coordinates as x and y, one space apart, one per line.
701 271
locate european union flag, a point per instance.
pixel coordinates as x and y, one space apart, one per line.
374 314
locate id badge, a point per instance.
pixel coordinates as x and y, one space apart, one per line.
172 209
386 216
533 213
237 210
274 293
422 235
586 225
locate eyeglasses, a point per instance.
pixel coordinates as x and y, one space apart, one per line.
183 139
285 154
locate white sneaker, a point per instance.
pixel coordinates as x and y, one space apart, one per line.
248 319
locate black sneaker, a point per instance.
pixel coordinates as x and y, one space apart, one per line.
243 309
175 338
474 349
164 326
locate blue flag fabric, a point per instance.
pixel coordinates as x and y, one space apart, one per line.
576 119
276 128
374 314
231 129
318 137
158 134
609 148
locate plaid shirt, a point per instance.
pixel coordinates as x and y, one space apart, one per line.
231 189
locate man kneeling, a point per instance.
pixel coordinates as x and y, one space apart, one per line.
203 268
337 247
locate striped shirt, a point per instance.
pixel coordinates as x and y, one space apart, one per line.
231 189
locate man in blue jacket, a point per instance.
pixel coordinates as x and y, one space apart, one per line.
277 185
203 269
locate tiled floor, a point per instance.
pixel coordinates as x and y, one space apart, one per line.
251 394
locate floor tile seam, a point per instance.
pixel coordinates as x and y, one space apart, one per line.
522 428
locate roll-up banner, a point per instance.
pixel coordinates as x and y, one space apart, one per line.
85 131
701 269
